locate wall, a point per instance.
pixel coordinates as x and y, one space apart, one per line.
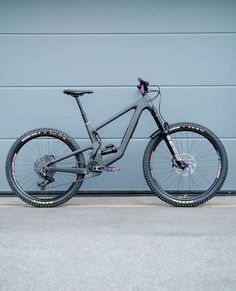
187 47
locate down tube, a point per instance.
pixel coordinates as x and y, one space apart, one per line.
127 136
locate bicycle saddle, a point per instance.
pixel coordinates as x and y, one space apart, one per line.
75 93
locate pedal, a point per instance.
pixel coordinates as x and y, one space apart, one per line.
112 169
109 149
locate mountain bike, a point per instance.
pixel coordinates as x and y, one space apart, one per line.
184 164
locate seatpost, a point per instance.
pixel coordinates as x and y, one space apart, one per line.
82 110
85 119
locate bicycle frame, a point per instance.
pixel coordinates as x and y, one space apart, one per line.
184 163
145 103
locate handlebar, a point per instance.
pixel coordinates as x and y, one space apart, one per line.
143 86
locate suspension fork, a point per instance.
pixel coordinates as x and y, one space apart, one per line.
172 148
177 159
164 127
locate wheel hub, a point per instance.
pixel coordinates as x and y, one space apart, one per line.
40 167
189 163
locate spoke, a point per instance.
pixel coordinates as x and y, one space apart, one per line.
202 156
59 185
166 175
173 183
27 177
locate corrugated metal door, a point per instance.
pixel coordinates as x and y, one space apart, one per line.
188 47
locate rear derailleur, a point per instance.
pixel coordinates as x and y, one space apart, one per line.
42 185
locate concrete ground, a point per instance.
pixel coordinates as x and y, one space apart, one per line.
118 243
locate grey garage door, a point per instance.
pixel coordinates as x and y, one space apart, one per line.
188 47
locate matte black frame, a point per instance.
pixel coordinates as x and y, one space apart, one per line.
145 103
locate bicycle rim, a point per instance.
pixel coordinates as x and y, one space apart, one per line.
27 163
203 166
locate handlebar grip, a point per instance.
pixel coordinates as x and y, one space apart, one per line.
142 82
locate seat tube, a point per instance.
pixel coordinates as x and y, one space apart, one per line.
86 121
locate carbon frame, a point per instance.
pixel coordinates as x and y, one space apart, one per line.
139 106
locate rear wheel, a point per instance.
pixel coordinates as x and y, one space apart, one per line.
25 167
205 165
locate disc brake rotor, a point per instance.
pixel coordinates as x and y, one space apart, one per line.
190 164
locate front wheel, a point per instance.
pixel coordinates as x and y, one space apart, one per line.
205 169
27 159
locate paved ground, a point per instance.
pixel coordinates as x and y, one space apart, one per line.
119 243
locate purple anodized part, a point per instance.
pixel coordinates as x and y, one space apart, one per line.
186 163
141 90
112 169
